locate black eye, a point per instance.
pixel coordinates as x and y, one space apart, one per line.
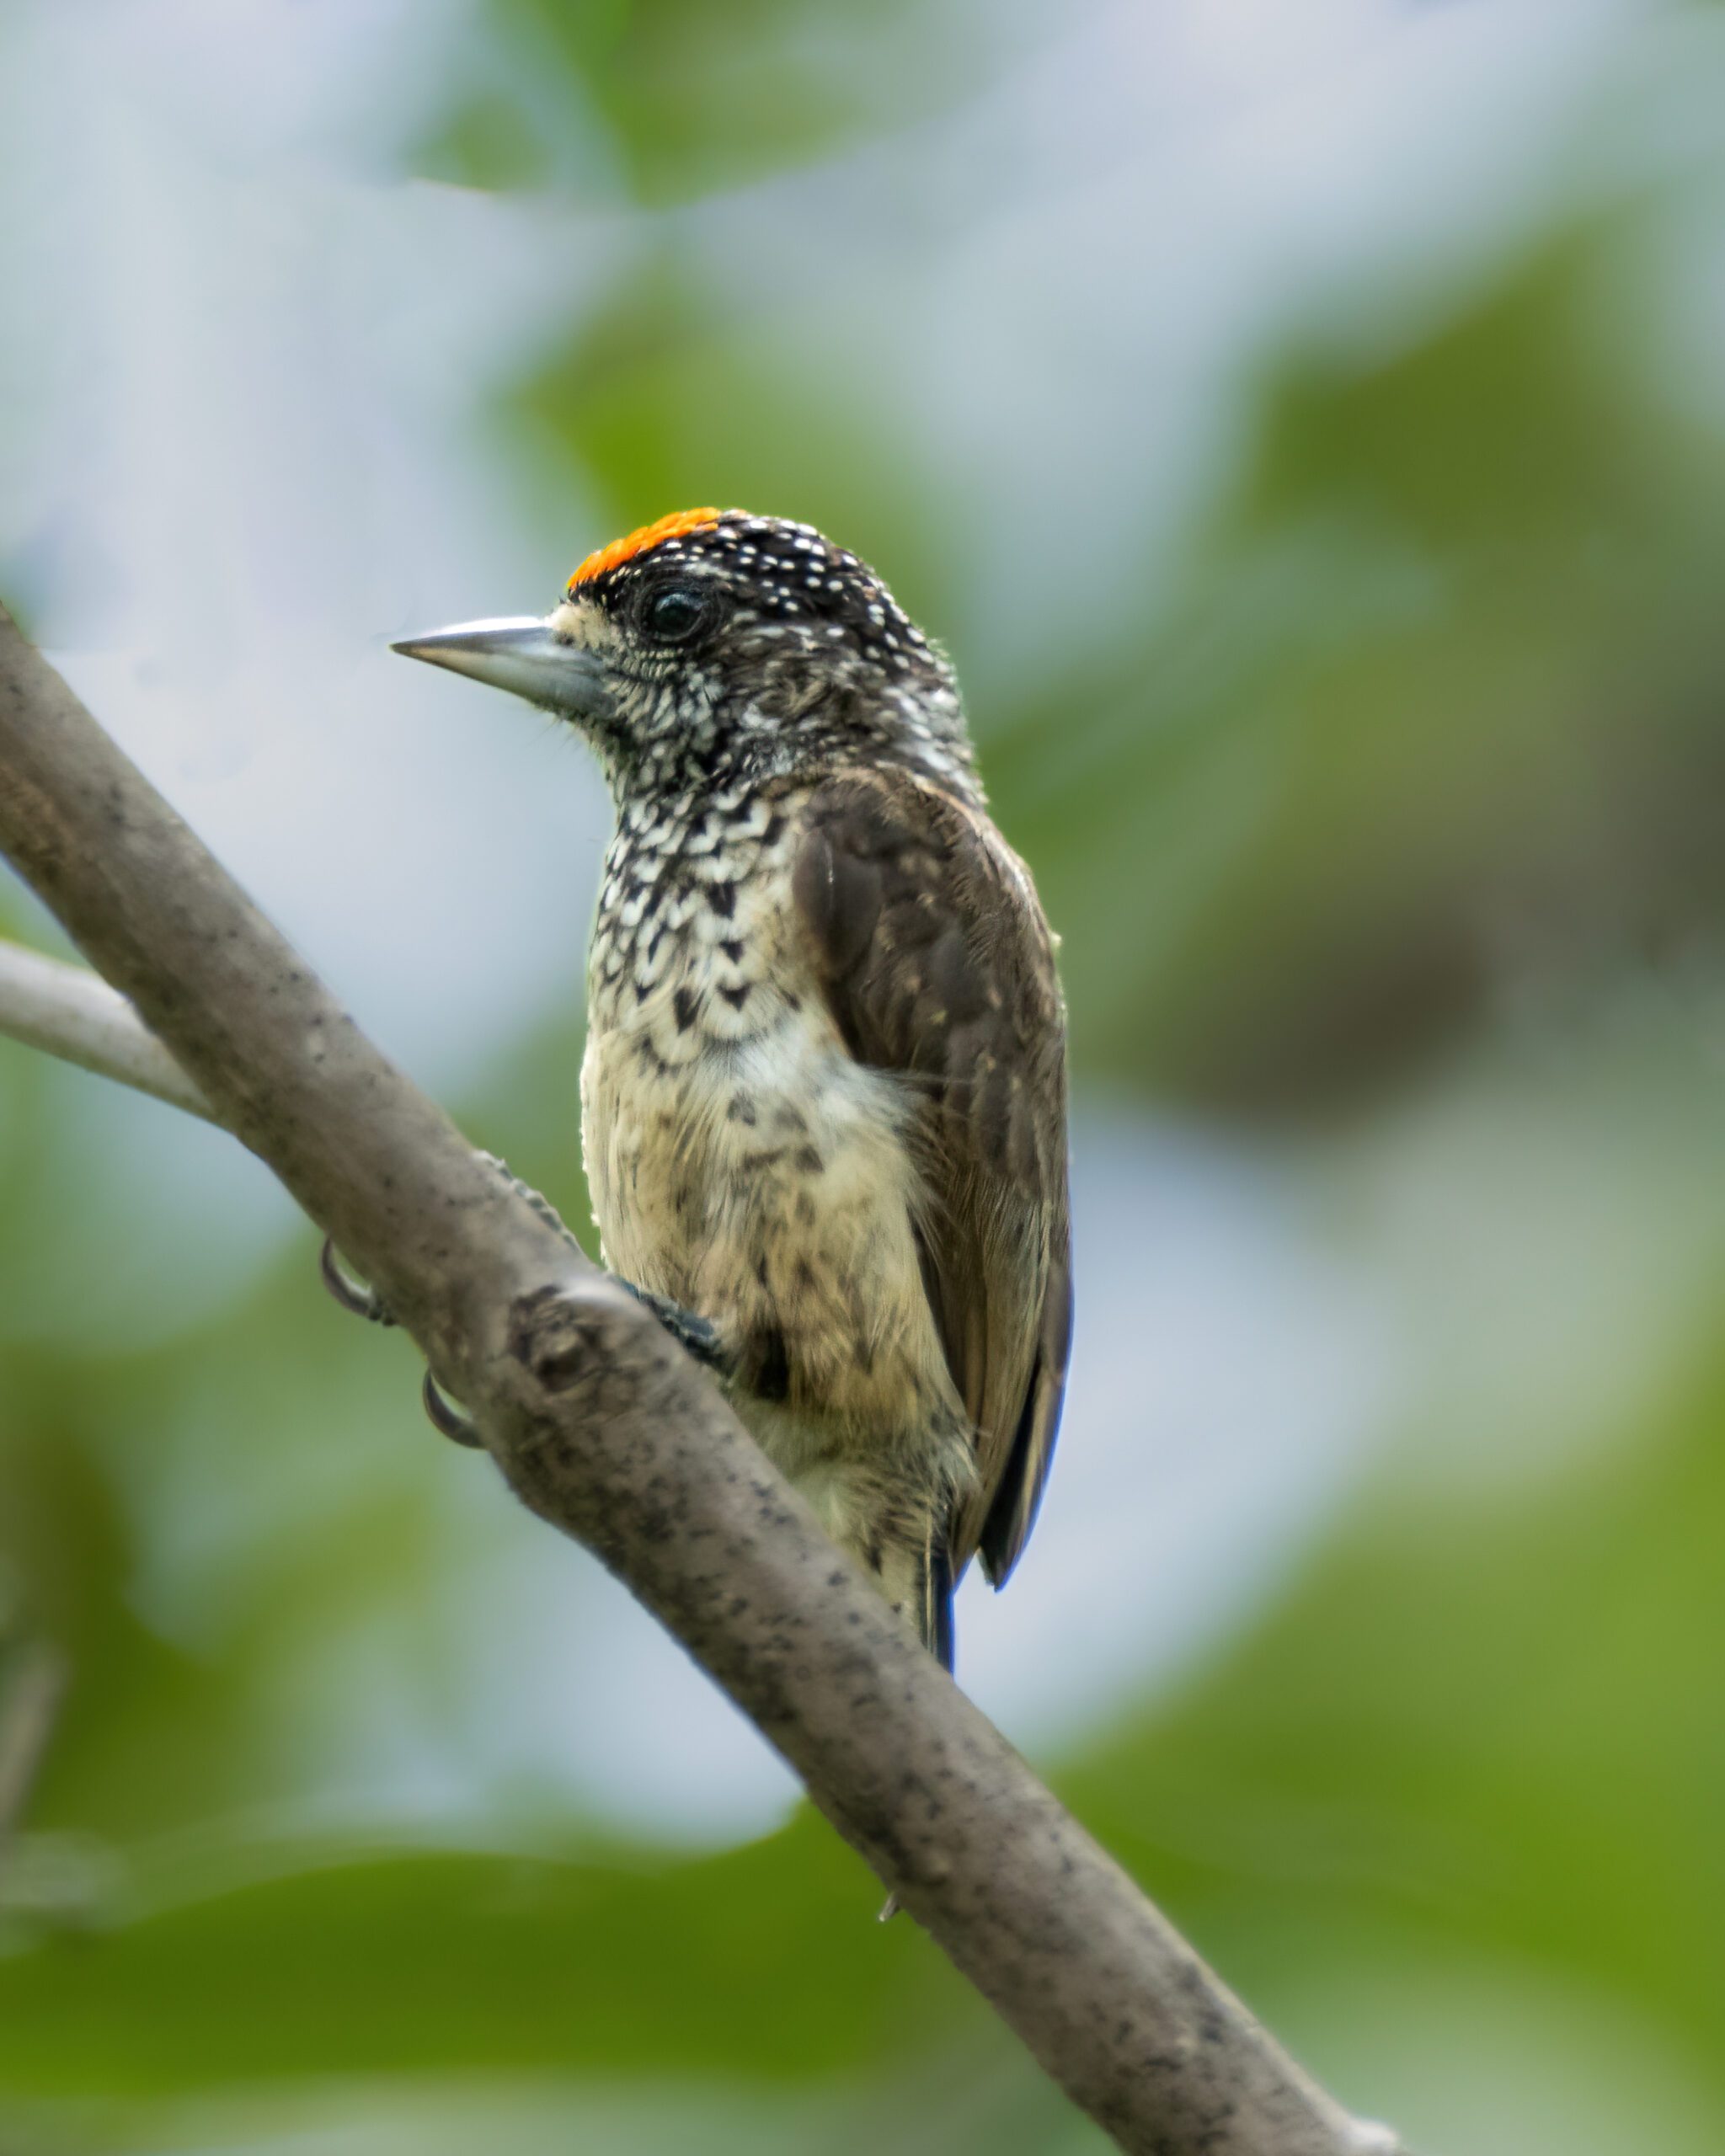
676 613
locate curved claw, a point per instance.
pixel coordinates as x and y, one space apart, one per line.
442 1413
352 1294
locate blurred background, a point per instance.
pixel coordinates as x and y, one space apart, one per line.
1307 427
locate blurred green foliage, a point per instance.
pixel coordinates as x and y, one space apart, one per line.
1461 615
1422 732
1444 1756
691 98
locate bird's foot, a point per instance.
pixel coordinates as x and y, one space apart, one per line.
696 1335
540 1202
449 1416
364 1301
353 1294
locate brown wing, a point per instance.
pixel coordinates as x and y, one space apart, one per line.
937 964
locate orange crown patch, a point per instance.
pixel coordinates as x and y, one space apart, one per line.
637 543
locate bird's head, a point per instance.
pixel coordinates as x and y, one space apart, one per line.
713 642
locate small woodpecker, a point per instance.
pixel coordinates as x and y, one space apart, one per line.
824 1096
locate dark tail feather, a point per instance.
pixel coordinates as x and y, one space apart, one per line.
938 1633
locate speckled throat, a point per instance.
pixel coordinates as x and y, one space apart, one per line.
681 893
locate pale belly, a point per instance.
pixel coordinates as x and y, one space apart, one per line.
764 1181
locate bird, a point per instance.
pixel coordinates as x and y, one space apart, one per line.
824 1088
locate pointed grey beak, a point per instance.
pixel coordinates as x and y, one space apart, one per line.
519 653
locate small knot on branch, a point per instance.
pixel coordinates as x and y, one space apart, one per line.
589 1343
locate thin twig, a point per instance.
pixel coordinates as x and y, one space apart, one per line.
603 1427
29 1705
73 1013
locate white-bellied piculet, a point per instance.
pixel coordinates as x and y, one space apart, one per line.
823 1097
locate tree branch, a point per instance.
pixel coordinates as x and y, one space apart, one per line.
604 1428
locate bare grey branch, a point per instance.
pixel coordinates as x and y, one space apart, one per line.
604 1427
